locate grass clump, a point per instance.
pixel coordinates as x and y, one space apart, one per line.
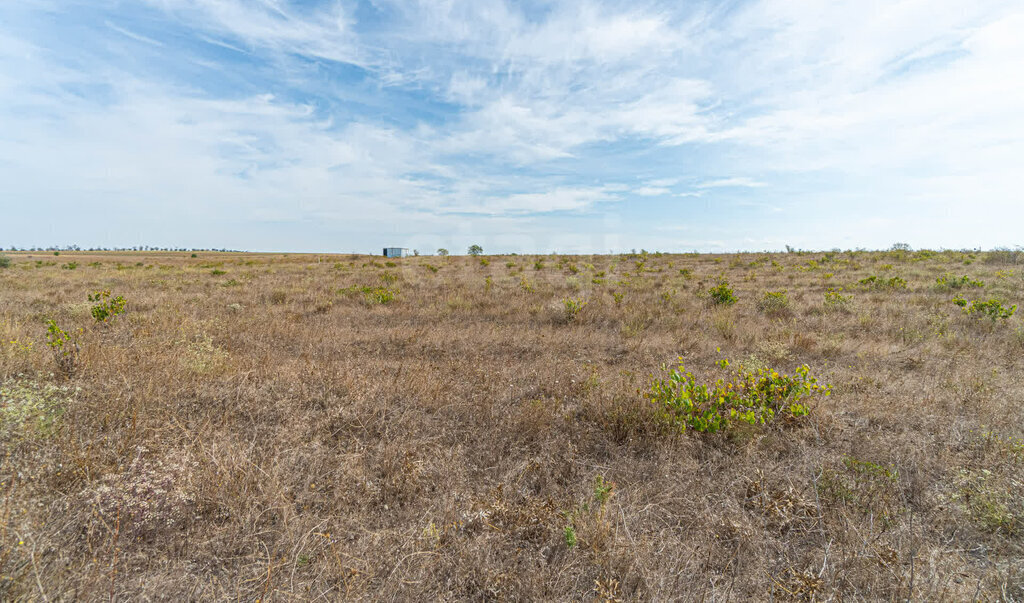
5 262
752 397
773 303
989 502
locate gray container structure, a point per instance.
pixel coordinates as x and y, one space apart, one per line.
396 252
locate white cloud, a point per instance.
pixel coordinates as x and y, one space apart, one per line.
652 191
741 182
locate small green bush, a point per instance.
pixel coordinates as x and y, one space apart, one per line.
372 295
722 295
64 347
753 397
573 307
5 262
951 282
836 301
874 282
992 308
106 308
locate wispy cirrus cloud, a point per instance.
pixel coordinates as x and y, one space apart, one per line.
739 181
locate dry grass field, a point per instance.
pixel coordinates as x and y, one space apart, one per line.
302 428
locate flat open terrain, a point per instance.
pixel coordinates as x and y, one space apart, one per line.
301 427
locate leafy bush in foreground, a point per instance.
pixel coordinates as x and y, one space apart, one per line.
754 397
64 347
573 307
722 294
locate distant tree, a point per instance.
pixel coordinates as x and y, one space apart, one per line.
442 251
475 250
900 247
415 251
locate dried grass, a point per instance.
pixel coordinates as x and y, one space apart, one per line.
258 435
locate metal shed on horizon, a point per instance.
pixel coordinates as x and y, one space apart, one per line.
396 252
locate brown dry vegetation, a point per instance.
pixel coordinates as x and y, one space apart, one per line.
252 428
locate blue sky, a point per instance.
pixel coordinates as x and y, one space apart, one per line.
524 127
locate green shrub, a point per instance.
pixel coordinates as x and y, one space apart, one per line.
573 307
722 295
753 397
992 308
372 295
773 303
951 282
1004 255
873 282
836 301
388 277
69 266
64 347
106 308
5 262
